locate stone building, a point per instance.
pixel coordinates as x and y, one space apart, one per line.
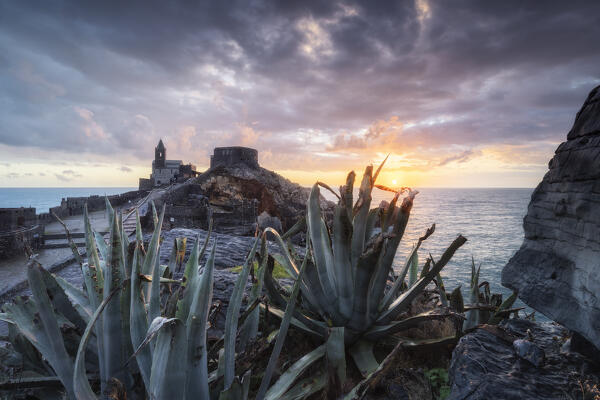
18 227
166 171
15 218
226 156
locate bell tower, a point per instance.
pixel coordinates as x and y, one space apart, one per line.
160 155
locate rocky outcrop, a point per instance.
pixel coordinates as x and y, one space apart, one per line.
557 269
498 362
272 195
235 196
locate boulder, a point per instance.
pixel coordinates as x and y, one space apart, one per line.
498 362
557 269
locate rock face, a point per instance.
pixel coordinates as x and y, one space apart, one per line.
557 269
235 196
486 365
236 187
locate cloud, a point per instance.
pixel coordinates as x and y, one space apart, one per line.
125 169
41 174
459 158
63 178
12 175
296 81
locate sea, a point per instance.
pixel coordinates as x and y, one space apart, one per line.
45 198
490 219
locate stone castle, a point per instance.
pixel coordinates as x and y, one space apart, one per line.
165 172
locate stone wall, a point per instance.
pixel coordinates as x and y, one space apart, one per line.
557 269
74 205
13 218
227 156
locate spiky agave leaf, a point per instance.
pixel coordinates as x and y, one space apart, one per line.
402 302
138 324
231 321
283 328
289 376
81 385
196 325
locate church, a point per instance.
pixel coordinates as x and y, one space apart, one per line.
165 172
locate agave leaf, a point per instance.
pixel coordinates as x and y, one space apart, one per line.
364 271
138 324
342 240
77 298
374 215
139 235
55 353
81 386
249 329
473 315
336 360
283 328
310 289
72 244
289 376
154 215
95 295
111 320
440 284
272 287
309 326
380 331
321 246
153 247
402 302
154 307
506 305
60 300
231 321
167 379
362 354
413 270
384 264
379 170
360 390
189 279
233 392
101 245
296 228
110 212
92 254
456 300
197 369
361 213
347 193
306 387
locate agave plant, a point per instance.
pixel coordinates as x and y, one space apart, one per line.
345 290
485 307
123 328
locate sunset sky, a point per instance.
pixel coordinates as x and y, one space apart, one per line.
460 93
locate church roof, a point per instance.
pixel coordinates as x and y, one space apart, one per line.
160 144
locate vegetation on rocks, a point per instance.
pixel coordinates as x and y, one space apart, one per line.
135 331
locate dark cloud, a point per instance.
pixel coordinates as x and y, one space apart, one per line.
292 78
125 169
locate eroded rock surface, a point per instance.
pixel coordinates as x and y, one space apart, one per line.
485 364
557 269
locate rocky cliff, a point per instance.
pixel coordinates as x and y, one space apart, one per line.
557 269
272 196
